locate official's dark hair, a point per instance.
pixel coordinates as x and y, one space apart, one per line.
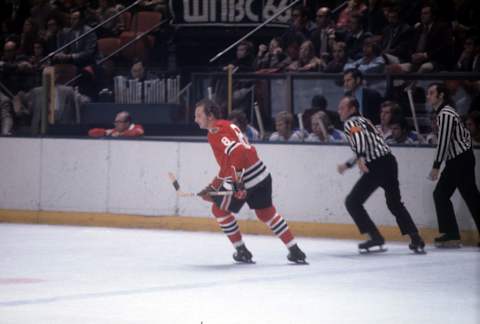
355 73
441 88
210 107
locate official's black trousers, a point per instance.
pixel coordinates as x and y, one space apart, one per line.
459 172
383 173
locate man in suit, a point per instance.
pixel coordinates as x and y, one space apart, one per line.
82 52
432 44
368 99
61 104
396 38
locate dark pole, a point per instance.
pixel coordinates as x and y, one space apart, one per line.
58 50
339 7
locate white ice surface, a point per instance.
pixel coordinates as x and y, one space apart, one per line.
61 274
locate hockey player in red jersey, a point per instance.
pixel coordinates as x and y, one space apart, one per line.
247 176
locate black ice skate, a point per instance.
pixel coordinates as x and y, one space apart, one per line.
448 241
243 255
417 245
376 242
296 255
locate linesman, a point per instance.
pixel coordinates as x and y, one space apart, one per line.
379 167
455 147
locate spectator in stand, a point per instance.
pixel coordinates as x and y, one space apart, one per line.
245 57
307 61
371 61
459 95
396 39
40 11
269 58
473 125
355 37
123 128
369 100
82 52
323 130
376 20
401 133
51 34
239 118
469 60
61 103
107 9
318 103
432 44
243 63
28 36
354 8
137 71
15 70
339 58
292 49
38 54
89 14
6 115
284 129
300 26
13 13
388 111
322 35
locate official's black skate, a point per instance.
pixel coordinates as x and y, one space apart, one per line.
376 242
448 241
417 245
243 255
296 255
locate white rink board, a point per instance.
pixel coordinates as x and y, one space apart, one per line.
130 176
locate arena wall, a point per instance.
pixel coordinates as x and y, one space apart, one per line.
125 183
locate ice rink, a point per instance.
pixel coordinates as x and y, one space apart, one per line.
61 274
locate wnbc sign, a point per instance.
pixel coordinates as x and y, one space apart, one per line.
228 12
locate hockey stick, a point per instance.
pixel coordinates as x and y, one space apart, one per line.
408 89
259 121
181 193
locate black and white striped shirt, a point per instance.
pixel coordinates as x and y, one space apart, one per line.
365 140
453 137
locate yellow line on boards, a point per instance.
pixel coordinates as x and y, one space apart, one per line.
307 229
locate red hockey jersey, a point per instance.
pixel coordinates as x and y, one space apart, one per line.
233 152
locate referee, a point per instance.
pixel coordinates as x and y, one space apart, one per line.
379 168
455 147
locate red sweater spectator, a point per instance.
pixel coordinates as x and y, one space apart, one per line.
123 128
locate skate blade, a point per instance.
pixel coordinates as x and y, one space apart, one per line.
244 262
419 251
372 250
299 262
449 245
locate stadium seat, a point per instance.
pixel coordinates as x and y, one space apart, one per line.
107 46
138 49
144 20
125 20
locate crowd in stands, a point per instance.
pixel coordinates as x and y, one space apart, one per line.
376 36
